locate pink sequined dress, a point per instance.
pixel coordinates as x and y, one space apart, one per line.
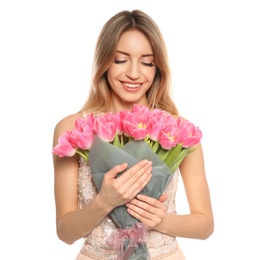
160 246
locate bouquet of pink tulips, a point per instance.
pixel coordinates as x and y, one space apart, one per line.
130 136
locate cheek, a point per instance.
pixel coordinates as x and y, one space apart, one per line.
150 74
112 75
114 71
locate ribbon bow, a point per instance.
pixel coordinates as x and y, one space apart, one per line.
136 234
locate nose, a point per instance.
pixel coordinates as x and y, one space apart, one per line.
133 71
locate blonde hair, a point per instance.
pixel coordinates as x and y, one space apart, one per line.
159 95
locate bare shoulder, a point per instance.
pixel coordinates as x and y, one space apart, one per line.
68 122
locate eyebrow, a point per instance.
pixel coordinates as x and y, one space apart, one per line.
127 54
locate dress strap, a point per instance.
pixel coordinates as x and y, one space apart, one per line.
84 114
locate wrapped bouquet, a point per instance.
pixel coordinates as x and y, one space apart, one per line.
130 136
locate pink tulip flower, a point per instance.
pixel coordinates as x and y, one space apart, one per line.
106 126
140 123
83 134
64 146
190 134
82 139
169 137
134 124
158 120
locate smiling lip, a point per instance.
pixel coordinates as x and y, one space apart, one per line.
131 86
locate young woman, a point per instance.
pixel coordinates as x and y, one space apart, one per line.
130 67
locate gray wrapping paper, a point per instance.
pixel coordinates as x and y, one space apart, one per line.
104 156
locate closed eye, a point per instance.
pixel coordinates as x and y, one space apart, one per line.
119 61
148 64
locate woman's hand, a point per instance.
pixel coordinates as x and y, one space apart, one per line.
148 210
116 191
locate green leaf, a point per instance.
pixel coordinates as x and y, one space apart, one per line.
162 153
84 154
148 141
117 141
191 150
155 146
179 158
174 167
173 153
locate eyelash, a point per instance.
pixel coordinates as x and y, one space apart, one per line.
148 64
119 61
123 61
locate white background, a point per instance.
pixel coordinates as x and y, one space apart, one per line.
46 50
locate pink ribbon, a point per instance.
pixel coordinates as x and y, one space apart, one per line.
136 234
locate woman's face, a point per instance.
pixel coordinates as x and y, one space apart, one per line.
132 71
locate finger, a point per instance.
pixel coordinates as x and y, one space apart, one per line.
141 206
149 204
149 219
163 198
146 213
152 201
136 169
138 181
134 179
111 174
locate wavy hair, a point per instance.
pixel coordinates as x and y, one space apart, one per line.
159 94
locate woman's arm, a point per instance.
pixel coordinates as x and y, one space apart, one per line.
199 222
73 224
